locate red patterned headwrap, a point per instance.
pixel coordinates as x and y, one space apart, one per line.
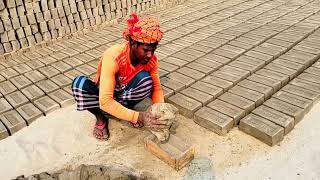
146 30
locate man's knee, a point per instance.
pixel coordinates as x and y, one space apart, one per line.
78 80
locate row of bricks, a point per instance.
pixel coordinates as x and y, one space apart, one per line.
270 50
15 119
250 98
35 76
256 35
59 10
69 52
11 43
217 81
277 116
174 34
66 49
50 4
257 59
50 65
52 24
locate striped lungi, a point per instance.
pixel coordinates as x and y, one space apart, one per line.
86 92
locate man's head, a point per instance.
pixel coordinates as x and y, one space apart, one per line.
142 52
143 36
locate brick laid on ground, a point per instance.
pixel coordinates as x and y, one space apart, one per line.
86 69
29 112
266 90
61 80
46 104
228 77
13 121
16 99
186 105
4 105
200 67
305 104
230 110
300 91
49 71
32 92
256 97
181 78
47 86
274 75
61 66
286 108
22 68
213 120
9 73
292 73
20 81
306 84
274 83
245 66
175 85
208 88
167 66
289 64
194 74
72 73
281 119
7 87
167 92
198 95
235 71
310 77
238 101
224 84
34 76
313 70
3 131
215 62
175 61
262 129
62 97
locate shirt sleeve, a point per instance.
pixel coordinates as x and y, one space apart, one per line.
157 93
107 85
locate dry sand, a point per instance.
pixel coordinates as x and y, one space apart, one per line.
64 140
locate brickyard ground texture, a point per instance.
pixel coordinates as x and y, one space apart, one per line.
234 63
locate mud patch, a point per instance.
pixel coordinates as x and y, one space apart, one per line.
84 172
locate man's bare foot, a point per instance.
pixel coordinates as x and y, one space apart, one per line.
101 130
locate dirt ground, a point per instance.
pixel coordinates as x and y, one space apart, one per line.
64 140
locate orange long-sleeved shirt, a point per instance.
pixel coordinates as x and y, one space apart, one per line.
115 71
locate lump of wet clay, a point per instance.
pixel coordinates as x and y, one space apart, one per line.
167 112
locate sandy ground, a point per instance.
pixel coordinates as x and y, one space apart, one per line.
64 140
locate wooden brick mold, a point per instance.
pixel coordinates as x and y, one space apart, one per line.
176 152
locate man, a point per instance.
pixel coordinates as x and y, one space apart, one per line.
126 74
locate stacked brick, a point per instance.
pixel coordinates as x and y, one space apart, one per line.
29 22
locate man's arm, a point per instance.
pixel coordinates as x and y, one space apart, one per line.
157 93
107 86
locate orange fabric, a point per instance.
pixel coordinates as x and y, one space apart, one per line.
146 30
115 71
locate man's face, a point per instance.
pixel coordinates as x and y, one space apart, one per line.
144 52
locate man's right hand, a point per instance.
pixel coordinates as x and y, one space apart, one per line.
151 121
